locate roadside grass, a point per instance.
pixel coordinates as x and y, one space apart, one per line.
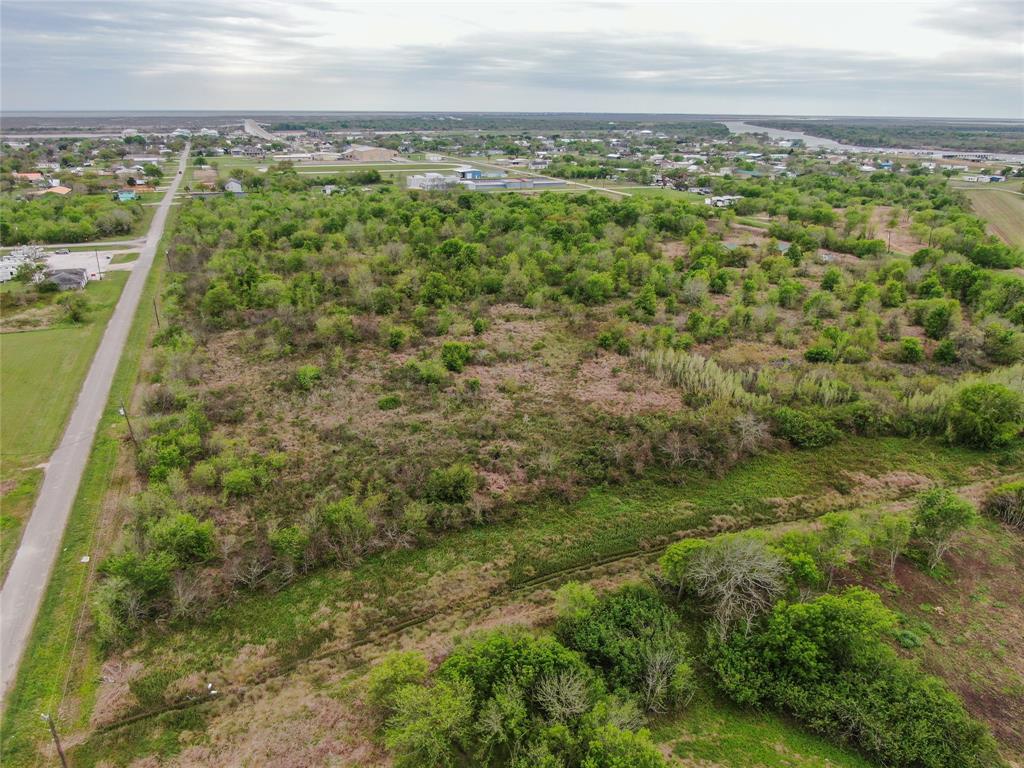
124 258
54 663
545 539
40 377
1003 211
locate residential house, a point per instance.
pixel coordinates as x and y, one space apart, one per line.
67 279
234 186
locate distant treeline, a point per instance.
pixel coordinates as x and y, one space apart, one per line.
506 123
969 137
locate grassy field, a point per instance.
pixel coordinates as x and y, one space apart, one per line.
39 380
1004 211
54 657
545 541
494 571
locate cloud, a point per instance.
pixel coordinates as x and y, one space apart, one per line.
284 55
987 21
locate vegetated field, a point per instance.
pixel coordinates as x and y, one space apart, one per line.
40 377
1003 210
384 419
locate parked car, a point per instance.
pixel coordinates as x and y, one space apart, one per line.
62 251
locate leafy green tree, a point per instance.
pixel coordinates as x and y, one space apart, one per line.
430 726
939 516
184 537
392 673
890 535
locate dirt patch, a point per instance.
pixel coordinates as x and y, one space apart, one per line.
610 383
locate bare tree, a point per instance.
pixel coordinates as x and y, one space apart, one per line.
738 577
563 696
666 680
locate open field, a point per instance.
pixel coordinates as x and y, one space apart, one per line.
41 373
1004 211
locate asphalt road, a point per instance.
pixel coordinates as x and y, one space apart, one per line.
26 582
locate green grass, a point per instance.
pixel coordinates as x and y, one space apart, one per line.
40 377
47 666
124 258
717 733
544 539
42 372
1004 212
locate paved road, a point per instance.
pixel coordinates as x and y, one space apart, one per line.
30 572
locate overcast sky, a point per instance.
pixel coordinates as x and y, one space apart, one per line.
871 57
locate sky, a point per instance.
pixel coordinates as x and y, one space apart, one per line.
954 58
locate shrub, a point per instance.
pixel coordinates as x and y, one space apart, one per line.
824 662
613 747
802 429
452 485
239 482
389 402
393 672
149 574
574 600
455 355
1006 503
184 537
945 352
985 415
306 377
911 350
428 373
634 640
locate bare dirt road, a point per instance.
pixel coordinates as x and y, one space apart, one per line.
30 572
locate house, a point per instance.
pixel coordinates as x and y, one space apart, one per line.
364 154
67 279
234 186
468 172
32 176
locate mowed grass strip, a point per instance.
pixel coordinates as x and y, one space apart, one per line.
41 372
48 666
1003 210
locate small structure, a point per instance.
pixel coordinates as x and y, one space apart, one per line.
59 190
722 201
431 181
126 195
364 154
234 186
468 172
67 279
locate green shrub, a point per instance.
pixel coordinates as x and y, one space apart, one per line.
985 415
938 516
307 377
389 402
392 673
613 747
455 355
429 373
451 485
184 537
911 350
633 638
574 600
149 574
802 429
945 352
239 482
824 662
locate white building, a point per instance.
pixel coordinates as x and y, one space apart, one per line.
431 181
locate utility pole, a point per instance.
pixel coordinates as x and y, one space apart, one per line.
99 272
156 313
56 740
131 432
